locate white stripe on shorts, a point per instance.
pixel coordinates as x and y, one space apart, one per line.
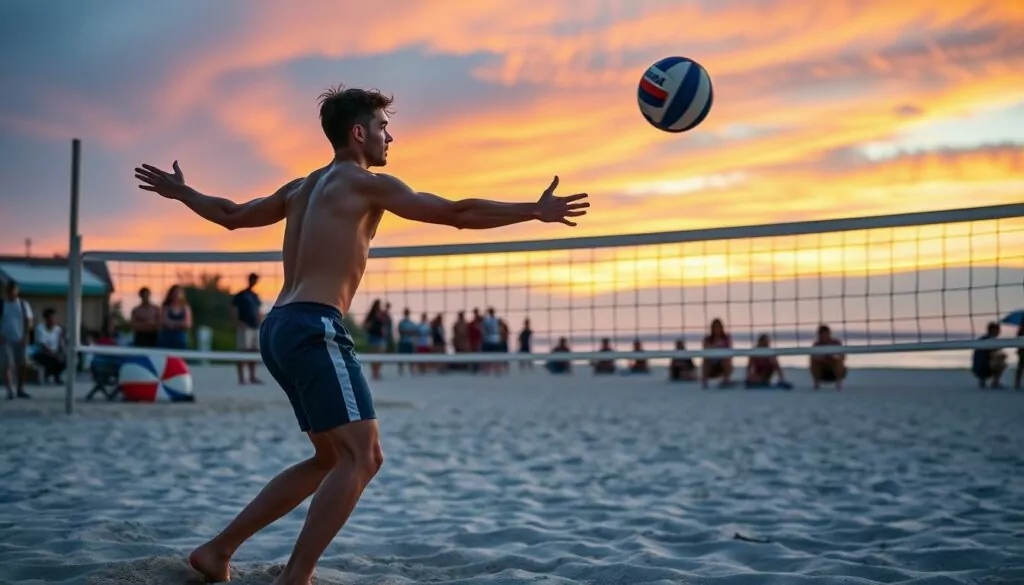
340 370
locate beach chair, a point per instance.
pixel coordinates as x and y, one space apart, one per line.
105 377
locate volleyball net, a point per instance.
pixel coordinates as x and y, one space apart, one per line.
915 283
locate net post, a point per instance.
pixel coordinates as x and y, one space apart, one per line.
74 279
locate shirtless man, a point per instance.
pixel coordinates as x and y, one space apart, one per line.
331 216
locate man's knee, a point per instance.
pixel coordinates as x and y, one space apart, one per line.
361 445
377 460
325 459
367 460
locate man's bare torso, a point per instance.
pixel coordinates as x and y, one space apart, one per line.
329 224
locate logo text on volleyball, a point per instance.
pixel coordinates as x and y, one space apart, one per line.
655 78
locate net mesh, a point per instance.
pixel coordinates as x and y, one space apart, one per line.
874 286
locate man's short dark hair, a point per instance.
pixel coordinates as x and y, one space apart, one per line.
49 312
341 109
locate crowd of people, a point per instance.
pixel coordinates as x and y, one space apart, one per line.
169 324
483 332
760 372
22 343
486 332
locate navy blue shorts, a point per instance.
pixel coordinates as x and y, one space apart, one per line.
310 353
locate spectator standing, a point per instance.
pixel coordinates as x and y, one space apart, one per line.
15 326
175 319
246 314
145 321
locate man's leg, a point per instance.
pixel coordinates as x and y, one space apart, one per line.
240 345
840 368
283 494
252 373
20 359
375 366
726 371
359 459
997 375
816 372
6 365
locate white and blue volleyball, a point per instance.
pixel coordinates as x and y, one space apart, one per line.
675 94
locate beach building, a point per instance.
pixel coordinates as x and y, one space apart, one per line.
43 282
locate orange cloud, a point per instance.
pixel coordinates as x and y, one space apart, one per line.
806 79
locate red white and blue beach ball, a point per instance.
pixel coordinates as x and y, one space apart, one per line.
153 378
675 94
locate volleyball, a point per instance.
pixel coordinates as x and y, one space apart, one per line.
155 378
675 94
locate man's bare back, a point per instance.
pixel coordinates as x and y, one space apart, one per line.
327 237
331 216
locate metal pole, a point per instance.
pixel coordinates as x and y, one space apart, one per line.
74 279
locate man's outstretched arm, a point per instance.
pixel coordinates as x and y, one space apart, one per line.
256 213
395 196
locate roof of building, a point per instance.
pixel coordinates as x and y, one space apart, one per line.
50 276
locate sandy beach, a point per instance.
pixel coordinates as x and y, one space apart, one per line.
905 477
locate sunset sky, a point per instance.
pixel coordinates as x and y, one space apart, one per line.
823 109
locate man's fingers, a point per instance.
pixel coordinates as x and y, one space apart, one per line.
575 213
576 197
140 172
147 188
567 222
552 186
177 170
155 170
148 178
578 206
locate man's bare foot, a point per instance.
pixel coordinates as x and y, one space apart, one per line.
212 564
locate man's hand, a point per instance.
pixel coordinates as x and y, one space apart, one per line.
161 182
555 209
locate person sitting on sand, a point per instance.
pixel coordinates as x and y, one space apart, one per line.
761 369
828 367
639 365
49 347
712 368
560 366
604 366
682 369
989 364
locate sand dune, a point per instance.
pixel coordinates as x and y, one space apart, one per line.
906 477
